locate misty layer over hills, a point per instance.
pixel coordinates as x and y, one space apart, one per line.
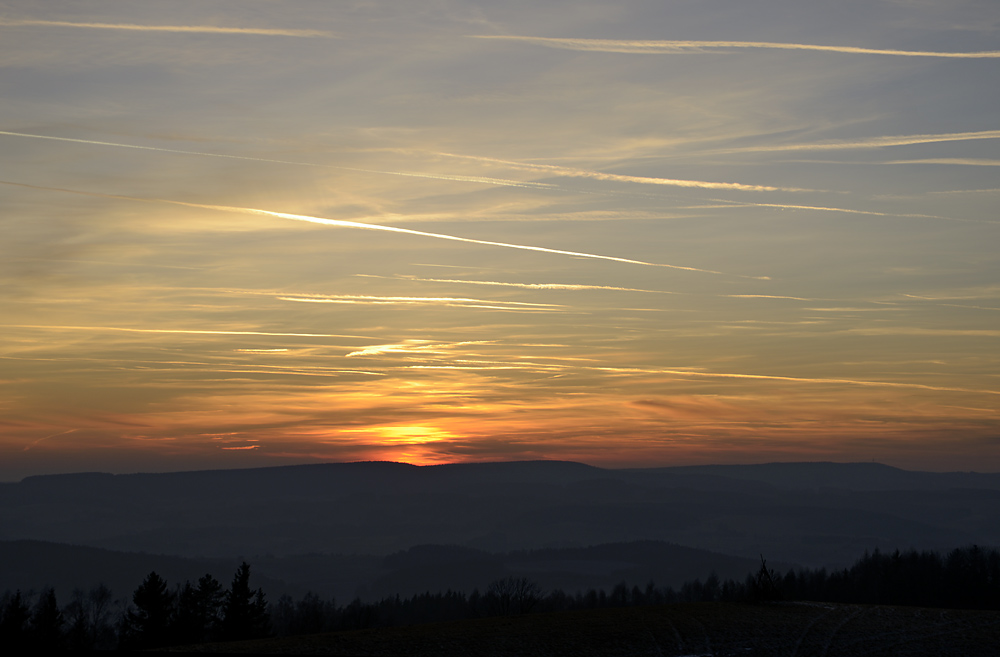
814 514
34 565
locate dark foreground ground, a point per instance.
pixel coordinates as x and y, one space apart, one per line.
718 629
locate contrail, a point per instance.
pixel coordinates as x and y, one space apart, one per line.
764 296
658 47
874 142
452 302
572 287
340 223
538 168
38 440
197 29
615 177
524 286
207 367
795 379
409 174
820 208
965 161
182 331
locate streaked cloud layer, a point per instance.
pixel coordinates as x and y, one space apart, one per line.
246 233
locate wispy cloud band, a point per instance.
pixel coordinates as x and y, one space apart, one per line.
660 47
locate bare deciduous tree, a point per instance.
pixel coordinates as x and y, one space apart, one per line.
511 595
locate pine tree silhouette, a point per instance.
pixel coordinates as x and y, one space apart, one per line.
198 610
47 622
244 612
148 625
14 623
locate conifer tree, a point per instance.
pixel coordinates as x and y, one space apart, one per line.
47 622
244 613
148 625
14 623
198 609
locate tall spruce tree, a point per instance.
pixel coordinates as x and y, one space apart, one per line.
14 619
47 622
244 612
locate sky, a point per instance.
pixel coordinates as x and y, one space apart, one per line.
238 233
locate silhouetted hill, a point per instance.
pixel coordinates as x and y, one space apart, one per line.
440 567
815 514
33 565
848 476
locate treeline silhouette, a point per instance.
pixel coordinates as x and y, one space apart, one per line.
156 616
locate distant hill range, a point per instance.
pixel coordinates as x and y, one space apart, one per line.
33 565
813 514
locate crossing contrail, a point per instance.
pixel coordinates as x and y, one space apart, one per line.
408 174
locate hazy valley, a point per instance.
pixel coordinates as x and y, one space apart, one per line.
376 529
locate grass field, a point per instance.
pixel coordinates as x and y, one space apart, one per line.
718 629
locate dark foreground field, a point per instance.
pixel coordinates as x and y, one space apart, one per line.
718 629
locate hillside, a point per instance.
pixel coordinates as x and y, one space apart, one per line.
32 565
807 513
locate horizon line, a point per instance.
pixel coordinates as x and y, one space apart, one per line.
494 462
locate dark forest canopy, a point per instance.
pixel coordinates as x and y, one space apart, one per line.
158 615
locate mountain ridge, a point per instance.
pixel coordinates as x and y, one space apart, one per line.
741 470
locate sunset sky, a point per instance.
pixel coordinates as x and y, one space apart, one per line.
238 233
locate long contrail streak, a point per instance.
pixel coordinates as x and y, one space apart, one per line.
420 301
662 47
196 29
341 223
525 286
537 168
408 174
570 172
574 287
787 206
873 142
182 331
407 231
965 161
794 379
